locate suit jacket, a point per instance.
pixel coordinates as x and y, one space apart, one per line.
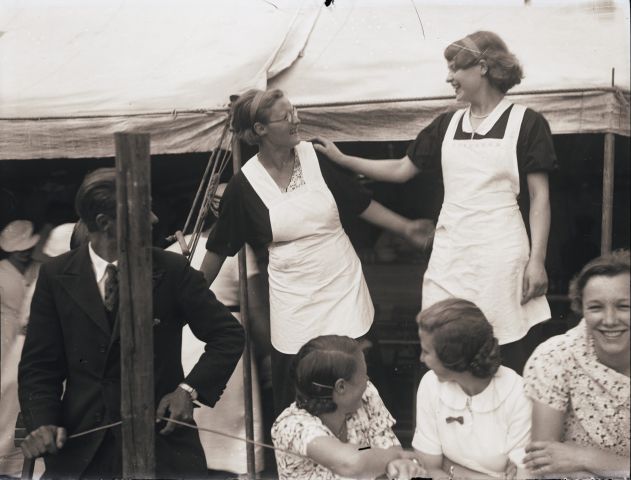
69 339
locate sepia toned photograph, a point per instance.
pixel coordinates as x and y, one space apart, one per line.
315 239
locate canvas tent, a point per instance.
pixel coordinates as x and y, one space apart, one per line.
72 73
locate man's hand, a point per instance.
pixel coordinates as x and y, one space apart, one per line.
42 440
180 407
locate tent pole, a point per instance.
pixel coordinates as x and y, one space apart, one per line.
608 185
245 321
135 311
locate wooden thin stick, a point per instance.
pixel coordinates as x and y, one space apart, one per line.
608 186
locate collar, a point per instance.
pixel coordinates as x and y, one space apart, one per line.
584 353
99 265
500 387
489 121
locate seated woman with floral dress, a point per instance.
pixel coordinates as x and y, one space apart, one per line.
471 412
579 381
338 427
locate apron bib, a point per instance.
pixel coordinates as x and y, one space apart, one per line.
481 247
316 284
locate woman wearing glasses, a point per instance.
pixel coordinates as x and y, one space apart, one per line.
291 201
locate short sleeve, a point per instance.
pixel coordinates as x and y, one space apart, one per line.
350 196
545 374
243 217
381 421
426 438
295 431
425 150
535 148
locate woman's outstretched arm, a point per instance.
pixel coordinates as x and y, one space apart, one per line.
345 460
211 265
389 170
418 232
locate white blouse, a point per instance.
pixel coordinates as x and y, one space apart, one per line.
476 432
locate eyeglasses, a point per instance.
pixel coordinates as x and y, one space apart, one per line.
290 117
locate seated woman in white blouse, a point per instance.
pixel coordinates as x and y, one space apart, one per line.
338 427
579 381
471 412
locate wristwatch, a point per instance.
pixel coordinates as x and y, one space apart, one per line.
188 389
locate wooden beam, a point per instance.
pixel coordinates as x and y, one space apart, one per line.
247 351
608 181
133 182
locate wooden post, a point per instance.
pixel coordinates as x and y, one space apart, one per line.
607 208
245 321
133 185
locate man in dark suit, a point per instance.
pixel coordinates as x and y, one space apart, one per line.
73 337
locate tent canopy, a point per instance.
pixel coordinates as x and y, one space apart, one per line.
73 73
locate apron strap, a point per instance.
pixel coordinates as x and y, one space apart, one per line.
513 125
261 181
453 125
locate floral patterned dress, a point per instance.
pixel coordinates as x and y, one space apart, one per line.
295 428
565 374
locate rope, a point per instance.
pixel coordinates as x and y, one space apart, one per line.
92 430
74 435
211 188
207 189
235 437
183 424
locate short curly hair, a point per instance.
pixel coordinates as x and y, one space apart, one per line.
608 265
463 337
318 365
504 70
245 115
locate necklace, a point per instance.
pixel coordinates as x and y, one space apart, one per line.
478 116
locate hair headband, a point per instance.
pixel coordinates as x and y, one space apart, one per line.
254 106
468 44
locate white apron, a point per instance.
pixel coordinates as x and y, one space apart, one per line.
316 284
481 247
228 414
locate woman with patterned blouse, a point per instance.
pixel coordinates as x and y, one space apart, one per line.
338 427
579 381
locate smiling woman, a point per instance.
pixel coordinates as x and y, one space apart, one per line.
292 201
579 381
484 153
338 426
471 412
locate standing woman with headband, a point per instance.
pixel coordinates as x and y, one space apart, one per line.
291 201
484 152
